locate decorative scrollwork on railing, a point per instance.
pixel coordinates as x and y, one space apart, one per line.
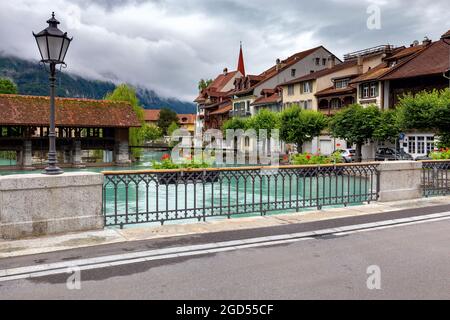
435 178
134 197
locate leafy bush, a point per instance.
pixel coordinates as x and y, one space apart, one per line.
190 162
443 154
310 159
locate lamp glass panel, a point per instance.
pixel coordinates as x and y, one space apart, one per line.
42 44
54 47
64 49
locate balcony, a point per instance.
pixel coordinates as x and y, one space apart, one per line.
241 114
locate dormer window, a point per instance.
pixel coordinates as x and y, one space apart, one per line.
293 72
340 84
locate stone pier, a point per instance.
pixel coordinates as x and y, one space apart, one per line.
122 152
76 154
26 156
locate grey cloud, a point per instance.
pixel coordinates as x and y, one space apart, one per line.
167 45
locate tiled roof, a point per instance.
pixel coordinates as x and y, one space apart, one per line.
221 81
434 59
324 72
446 35
151 114
186 118
269 73
222 110
273 71
275 98
373 74
405 52
35 111
334 91
215 89
254 81
403 56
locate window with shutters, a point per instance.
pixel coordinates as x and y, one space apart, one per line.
369 90
290 90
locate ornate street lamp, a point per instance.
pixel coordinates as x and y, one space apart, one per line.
53 45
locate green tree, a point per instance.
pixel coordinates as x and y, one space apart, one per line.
427 111
151 132
235 123
264 120
127 93
7 86
356 125
166 118
441 118
203 84
416 111
298 126
173 126
388 128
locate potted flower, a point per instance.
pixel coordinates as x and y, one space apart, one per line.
184 176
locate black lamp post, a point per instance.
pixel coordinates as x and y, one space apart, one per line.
53 45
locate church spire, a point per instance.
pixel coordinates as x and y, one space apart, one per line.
241 67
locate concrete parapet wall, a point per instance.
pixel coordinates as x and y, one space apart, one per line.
37 204
400 180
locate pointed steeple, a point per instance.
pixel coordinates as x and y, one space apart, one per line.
241 67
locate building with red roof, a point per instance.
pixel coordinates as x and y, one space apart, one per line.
250 89
81 125
213 101
185 121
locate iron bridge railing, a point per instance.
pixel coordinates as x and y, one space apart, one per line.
436 178
154 196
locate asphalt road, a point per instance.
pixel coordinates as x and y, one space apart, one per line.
414 261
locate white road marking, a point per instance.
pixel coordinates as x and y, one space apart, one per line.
186 251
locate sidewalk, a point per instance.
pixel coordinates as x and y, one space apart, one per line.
109 236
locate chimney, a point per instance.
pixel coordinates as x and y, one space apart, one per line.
331 61
225 71
426 41
360 64
278 64
415 43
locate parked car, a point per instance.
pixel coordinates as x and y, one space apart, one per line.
424 158
389 154
348 155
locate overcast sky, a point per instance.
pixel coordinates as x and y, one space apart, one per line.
168 45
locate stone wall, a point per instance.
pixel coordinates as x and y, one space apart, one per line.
37 204
400 180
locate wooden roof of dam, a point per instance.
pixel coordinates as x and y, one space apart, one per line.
70 112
